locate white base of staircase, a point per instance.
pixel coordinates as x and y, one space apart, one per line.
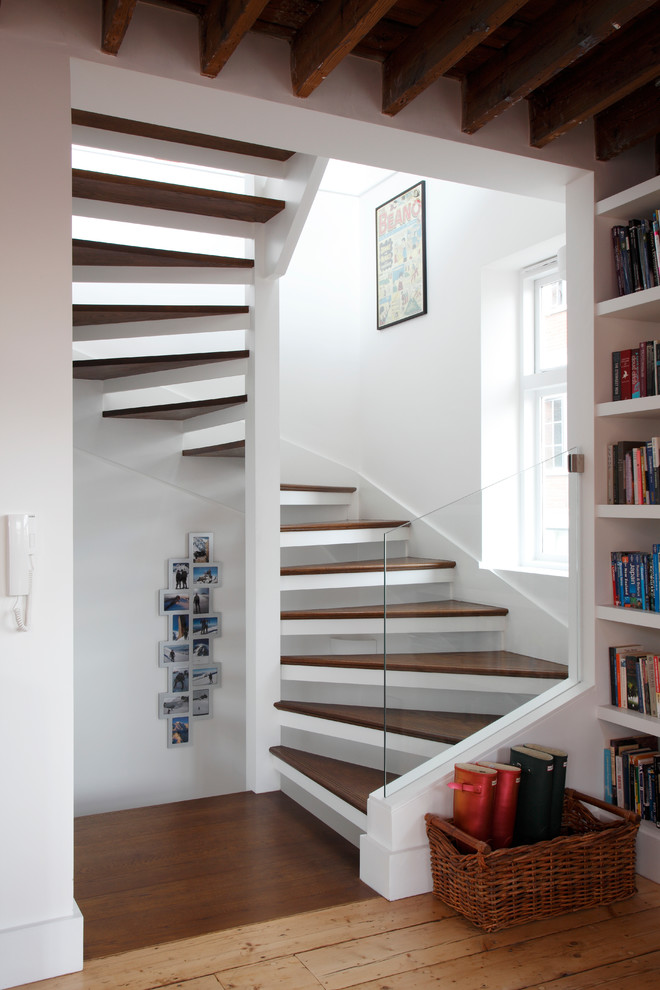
395 874
41 951
341 817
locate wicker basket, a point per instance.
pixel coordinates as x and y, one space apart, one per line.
591 862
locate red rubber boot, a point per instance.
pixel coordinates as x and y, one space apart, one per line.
506 801
474 797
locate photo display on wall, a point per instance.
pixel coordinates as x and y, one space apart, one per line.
193 625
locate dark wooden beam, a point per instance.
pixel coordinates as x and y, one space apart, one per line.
116 18
328 36
597 81
441 41
657 154
628 122
223 26
568 32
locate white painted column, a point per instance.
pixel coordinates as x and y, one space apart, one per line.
40 926
262 532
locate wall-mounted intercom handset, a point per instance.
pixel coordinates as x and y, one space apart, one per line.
21 547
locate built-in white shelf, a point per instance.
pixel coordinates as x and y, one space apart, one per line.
643 305
642 198
631 616
647 724
646 407
628 511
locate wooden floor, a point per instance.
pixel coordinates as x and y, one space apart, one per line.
151 875
406 945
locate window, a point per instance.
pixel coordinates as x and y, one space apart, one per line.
544 536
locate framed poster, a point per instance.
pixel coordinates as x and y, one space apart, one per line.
401 257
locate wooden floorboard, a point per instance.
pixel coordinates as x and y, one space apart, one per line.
156 874
409 944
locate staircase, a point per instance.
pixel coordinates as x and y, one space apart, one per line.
331 755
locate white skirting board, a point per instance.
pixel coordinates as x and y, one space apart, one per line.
395 874
41 951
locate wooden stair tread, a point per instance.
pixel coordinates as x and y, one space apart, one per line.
236 448
335 524
485 663
87 252
93 315
348 781
442 727
176 410
158 132
129 191
317 488
400 610
104 369
367 566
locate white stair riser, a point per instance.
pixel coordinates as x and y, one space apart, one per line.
206 421
342 808
374 627
100 210
371 579
328 537
178 376
165 275
316 498
425 748
416 679
162 328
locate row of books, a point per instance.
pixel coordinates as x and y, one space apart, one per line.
636 579
632 775
636 371
635 679
633 472
637 254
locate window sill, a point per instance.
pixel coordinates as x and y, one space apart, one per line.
540 569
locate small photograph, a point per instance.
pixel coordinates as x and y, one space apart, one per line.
179 680
173 704
178 573
179 627
201 703
173 653
201 601
205 675
200 548
206 574
171 601
205 625
201 649
178 732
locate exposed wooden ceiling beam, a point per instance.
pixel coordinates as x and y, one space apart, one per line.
555 41
628 122
331 33
116 18
223 26
597 82
441 41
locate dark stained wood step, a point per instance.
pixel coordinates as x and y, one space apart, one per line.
368 566
176 410
103 253
121 125
105 369
406 610
483 663
317 488
442 727
85 315
129 191
335 524
348 781
236 448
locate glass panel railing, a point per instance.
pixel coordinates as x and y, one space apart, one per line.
480 611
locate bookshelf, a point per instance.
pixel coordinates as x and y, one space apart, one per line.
622 322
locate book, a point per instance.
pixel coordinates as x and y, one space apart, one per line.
618 747
534 796
560 760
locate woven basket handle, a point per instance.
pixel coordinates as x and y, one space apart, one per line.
457 833
630 816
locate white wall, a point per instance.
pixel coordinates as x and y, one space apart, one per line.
135 501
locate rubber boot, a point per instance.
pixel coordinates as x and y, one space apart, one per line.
474 797
506 801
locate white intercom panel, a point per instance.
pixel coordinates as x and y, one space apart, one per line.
21 548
